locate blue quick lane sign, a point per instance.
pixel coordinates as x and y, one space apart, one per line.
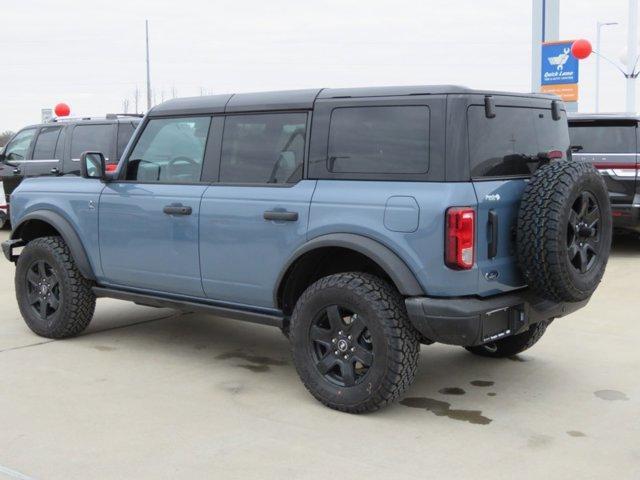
558 65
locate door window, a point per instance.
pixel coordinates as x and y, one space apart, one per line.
170 150
19 147
94 138
265 148
46 142
125 131
383 140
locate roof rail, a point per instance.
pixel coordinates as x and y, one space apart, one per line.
112 116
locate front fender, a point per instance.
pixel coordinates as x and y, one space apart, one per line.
68 234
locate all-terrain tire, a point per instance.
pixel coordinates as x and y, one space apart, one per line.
46 271
510 346
553 234
373 307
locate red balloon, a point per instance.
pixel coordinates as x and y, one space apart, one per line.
62 110
581 49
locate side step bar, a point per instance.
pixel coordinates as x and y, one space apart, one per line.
261 318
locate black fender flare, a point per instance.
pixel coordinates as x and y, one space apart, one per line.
68 234
389 261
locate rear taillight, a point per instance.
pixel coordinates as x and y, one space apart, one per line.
460 238
110 167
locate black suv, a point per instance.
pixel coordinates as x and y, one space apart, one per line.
54 148
610 143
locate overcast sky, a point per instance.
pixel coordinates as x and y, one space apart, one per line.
90 53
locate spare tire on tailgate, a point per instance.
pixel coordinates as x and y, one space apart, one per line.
564 231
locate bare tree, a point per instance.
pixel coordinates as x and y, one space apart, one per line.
174 92
125 105
5 137
162 96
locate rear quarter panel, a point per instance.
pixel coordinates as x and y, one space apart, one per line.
384 211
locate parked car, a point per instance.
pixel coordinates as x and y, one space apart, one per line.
610 143
54 148
360 221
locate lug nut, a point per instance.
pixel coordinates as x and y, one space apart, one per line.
349 337
333 340
353 349
346 356
340 332
336 352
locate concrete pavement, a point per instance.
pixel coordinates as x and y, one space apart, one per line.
149 393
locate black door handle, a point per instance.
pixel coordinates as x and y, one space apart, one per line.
17 171
282 216
177 210
493 232
55 171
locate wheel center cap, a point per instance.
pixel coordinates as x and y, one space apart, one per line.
343 345
585 231
44 290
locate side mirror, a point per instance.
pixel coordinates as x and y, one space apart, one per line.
92 165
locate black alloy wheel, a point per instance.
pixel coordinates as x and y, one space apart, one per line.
341 346
43 289
583 232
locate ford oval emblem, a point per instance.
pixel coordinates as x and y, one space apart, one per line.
492 275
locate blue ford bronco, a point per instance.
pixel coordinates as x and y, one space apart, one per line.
362 222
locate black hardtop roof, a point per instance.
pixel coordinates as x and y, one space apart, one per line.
594 117
304 99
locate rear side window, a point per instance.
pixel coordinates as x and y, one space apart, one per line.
383 140
125 131
45 147
95 138
509 143
604 137
265 148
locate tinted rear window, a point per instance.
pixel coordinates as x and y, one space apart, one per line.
379 140
95 138
46 142
508 144
604 137
125 131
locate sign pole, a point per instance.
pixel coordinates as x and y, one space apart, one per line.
632 55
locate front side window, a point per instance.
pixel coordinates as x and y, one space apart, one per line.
46 142
264 148
169 150
19 147
125 131
604 137
388 140
92 138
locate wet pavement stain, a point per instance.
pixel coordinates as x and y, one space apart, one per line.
104 348
481 383
536 441
611 395
451 391
491 394
576 433
256 368
200 347
516 358
232 387
443 409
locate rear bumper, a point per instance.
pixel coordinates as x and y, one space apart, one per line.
471 321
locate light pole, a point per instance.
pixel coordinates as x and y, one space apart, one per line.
600 25
632 55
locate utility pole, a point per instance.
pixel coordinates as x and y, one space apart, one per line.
598 38
545 27
146 28
632 55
